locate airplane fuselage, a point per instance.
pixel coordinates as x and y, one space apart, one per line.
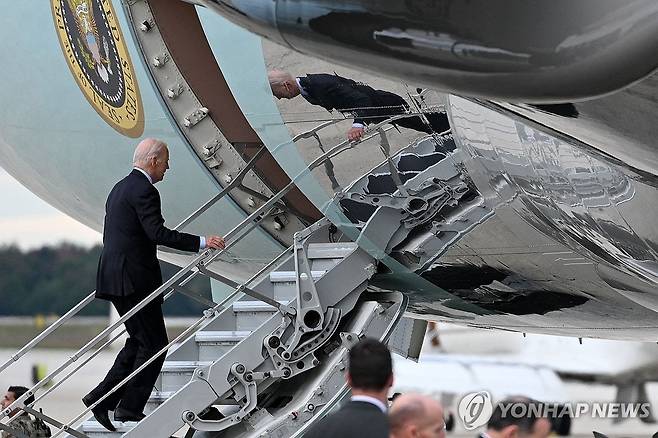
522 218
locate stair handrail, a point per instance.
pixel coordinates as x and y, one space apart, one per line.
45 333
191 329
236 181
89 298
206 257
214 310
408 113
309 133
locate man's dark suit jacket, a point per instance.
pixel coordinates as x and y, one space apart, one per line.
357 419
133 228
333 92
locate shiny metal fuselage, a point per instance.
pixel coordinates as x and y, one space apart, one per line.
529 51
568 244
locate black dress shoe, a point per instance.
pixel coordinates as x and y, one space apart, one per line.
100 414
87 400
124 415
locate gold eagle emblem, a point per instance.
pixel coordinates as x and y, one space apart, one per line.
96 53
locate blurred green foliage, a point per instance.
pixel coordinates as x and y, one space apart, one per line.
52 279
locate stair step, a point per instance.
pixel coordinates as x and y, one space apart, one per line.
183 366
249 315
291 276
93 429
252 306
175 374
214 344
156 399
284 283
220 336
330 250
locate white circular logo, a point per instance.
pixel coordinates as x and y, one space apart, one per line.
475 409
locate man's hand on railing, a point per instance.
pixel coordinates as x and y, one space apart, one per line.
215 242
355 133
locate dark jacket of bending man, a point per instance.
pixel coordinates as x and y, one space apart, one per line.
128 271
368 105
370 377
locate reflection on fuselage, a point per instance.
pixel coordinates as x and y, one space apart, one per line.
531 231
574 211
481 48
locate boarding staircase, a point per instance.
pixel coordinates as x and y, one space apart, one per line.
266 361
270 359
268 366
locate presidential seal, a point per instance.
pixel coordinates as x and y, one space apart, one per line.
96 53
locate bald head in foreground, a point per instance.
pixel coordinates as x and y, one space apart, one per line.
129 271
416 416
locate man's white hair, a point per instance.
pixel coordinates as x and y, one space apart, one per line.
278 77
147 149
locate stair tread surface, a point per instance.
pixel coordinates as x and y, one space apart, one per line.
159 396
94 426
330 250
291 276
221 335
254 306
175 365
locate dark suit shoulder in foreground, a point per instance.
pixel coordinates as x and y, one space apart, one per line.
356 419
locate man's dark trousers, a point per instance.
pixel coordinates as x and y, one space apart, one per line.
147 336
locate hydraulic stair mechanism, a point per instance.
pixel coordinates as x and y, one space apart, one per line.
268 367
273 361
269 359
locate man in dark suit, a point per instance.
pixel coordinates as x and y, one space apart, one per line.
368 105
128 271
370 376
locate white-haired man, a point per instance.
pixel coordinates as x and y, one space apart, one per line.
128 271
